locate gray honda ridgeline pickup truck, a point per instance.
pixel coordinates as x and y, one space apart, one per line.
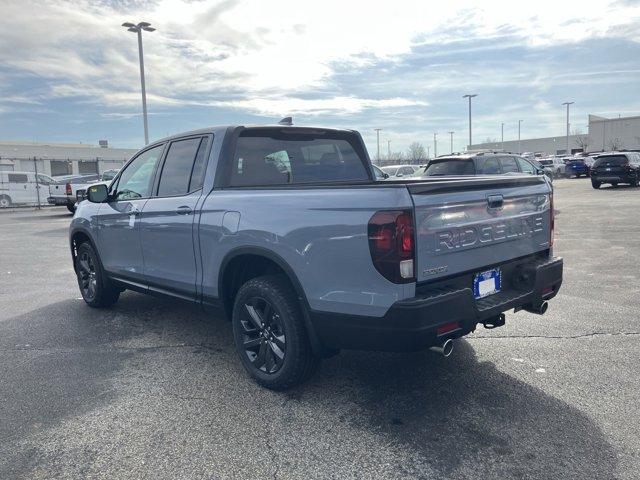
286 231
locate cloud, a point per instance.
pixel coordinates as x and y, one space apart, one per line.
404 63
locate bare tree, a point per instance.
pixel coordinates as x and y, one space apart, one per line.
615 144
582 141
416 153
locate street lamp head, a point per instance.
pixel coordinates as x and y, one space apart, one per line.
128 24
133 29
470 96
568 103
149 29
144 24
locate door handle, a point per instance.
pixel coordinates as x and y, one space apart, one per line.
183 210
495 201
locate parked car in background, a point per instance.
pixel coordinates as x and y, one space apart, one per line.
21 188
109 174
555 164
380 174
615 168
63 190
575 166
287 232
399 170
589 160
106 178
480 164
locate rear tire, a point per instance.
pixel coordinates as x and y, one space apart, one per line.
95 287
270 335
595 185
614 185
5 201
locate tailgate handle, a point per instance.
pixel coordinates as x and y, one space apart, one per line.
495 201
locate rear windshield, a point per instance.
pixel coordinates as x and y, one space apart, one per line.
280 157
450 167
611 160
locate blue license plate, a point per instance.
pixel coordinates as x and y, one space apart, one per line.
487 283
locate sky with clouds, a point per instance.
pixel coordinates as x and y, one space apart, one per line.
69 71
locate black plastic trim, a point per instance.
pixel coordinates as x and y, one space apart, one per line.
412 324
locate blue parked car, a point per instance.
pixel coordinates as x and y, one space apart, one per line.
575 167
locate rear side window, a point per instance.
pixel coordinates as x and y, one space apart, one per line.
611 161
450 167
509 164
18 178
181 161
487 166
277 157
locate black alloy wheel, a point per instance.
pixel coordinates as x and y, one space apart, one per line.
87 276
96 288
263 335
270 335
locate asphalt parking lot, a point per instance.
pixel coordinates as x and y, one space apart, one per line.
152 388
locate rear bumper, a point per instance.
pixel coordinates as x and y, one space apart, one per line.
612 177
60 201
413 324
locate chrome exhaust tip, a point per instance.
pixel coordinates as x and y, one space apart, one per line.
538 309
445 349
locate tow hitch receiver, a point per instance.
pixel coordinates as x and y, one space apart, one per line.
497 321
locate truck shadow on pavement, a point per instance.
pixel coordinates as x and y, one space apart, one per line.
458 417
465 418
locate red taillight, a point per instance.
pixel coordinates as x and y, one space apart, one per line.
391 244
552 220
68 189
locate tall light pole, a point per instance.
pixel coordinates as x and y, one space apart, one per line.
470 97
378 141
502 135
435 144
567 104
519 149
389 148
451 134
146 26
428 151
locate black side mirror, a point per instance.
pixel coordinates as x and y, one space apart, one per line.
97 193
385 175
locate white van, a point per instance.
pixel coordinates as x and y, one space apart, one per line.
21 188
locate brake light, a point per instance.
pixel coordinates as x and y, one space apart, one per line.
391 243
68 189
552 220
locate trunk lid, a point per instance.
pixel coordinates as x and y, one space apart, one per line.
473 223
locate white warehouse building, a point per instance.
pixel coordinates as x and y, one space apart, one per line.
605 134
56 159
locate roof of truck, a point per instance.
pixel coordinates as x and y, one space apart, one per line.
223 128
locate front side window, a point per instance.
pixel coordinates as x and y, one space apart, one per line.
277 157
135 180
525 166
509 165
45 179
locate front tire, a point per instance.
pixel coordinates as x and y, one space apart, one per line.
96 289
595 185
269 333
71 207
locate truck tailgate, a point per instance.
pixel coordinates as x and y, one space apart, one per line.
473 223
